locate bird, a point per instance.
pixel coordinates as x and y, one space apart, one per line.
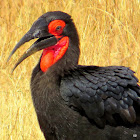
74 101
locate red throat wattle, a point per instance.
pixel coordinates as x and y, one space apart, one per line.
52 54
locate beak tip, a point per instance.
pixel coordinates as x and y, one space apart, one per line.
12 71
10 55
8 58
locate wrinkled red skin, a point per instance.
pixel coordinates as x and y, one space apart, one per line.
52 54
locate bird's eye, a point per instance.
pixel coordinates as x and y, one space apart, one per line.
58 28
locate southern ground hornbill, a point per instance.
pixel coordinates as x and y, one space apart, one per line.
75 102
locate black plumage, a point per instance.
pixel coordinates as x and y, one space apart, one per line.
107 96
80 102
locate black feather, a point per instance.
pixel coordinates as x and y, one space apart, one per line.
103 91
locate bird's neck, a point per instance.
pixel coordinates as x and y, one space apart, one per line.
61 64
53 53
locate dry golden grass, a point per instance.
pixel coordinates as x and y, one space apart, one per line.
109 33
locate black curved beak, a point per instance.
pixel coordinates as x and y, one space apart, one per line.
38 30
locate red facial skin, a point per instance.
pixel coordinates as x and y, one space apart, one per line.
52 54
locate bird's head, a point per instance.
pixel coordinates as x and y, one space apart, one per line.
56 35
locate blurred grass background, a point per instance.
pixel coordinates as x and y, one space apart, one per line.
109 33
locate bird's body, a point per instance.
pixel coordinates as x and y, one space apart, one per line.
78 102
61 119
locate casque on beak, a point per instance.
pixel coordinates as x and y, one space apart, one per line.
38 30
